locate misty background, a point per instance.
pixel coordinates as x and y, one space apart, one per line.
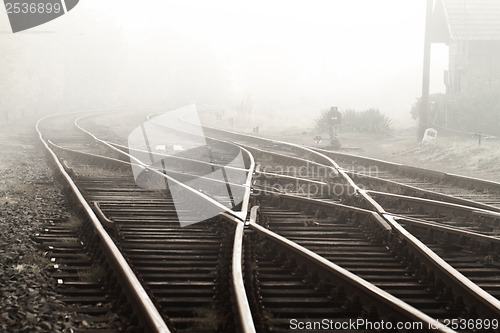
276 60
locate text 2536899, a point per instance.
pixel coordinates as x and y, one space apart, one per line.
30 7
471 324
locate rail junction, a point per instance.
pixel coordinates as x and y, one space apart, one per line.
318 235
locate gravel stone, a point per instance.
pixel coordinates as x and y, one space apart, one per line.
28 199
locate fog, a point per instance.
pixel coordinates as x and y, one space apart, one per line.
282 60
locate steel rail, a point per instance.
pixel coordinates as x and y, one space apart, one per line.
383 224
246 321
118 161
175 157
406 169
447 197
473 290
277 175
451 274
245 315
440 204
139 298
91 155
246 198
417 170
448 229
101 215
328 162
459 281
373 160
297 159
369 290
146 167
250 170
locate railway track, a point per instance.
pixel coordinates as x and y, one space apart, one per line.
181 271
297 288
297 261
80 278
341 239
418 194
181 267
467 218
407 180
309 176
455 238
51 129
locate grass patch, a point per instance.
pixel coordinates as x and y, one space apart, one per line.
83 256
73 223
210 319
94 274
37 260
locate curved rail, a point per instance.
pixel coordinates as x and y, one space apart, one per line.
184 159
428 193
436 175
328 162
245 316
441 206
139 298
446 229
458 281
219 206
370 291
472 290
417 170
250 171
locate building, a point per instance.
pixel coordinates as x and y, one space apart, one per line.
471 29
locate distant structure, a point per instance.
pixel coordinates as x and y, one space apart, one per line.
471 29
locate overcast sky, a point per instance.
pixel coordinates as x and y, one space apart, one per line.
296 55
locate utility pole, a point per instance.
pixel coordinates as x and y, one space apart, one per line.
423 119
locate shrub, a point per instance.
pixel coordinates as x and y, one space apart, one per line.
321 123
370 121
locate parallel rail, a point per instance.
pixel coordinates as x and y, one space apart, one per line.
245 316
124 273
462 183
384 223
455 280
351 282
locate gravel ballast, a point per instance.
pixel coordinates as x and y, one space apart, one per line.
29 199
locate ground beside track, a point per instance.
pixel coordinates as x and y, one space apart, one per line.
28 199
453 155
